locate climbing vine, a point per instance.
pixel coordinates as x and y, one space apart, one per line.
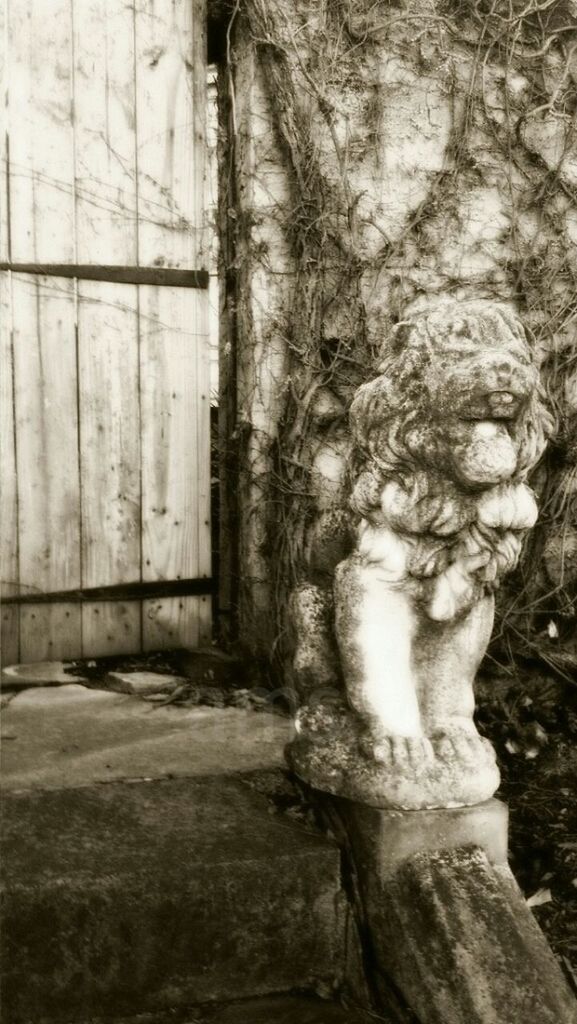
429 149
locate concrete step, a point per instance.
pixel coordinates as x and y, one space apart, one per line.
129 897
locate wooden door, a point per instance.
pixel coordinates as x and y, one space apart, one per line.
105 439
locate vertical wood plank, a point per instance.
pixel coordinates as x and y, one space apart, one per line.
204 616
172 326
170 622
49 632
106 232
110 460
105 132
39 41
4 148
9 636
47 461
9 574
203 465
171 114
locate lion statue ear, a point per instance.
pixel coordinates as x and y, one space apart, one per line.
405 347
395 343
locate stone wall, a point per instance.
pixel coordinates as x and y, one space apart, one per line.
379 156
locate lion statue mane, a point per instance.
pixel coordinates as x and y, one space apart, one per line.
442 443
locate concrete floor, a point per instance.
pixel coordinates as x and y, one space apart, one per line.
67 736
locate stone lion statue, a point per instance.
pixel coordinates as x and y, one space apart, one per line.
442 441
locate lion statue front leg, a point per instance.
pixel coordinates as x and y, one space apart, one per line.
408 677
446 658
375 625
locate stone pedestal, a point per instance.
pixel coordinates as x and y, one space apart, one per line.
384 840
446 924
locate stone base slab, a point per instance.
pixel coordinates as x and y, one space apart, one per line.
390 837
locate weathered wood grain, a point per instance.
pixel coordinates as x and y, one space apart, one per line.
41 196
171 112
9 636
105 132
171 115
203 467
45 387
9 534
4 137
109 460
175 503
39 44
106 212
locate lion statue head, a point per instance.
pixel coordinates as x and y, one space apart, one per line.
457 393
442 442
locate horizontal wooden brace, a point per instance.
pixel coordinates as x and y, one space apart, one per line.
137 591
167 276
